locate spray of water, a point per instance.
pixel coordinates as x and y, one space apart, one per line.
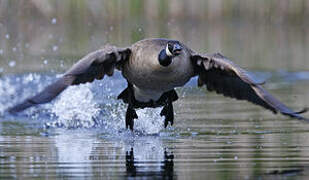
83 107
76 107
92 105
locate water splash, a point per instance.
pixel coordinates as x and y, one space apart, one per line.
85 106
93 105
79 107
113 120
149 121
76 108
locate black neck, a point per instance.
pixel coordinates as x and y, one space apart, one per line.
164 59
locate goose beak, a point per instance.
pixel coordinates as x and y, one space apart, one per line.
176 49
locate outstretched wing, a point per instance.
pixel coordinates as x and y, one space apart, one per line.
93 66
223 76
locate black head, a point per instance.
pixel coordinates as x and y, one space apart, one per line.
172 49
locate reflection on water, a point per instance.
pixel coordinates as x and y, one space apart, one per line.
83 153
166 168
72 154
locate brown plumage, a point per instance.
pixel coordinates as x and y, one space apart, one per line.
153 68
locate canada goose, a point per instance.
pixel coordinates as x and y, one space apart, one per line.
153 68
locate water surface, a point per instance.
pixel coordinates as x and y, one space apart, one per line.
82 134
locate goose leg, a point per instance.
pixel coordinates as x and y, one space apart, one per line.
131 113
130 116
168 112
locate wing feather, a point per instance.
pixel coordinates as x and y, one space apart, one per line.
93 66
223 76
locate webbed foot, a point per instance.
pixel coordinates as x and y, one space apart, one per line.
168 112
130 116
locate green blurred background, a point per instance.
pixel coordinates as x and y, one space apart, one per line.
51 35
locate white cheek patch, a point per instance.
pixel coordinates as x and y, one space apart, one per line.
167 51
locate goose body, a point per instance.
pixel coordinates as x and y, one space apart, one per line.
150 79
153 68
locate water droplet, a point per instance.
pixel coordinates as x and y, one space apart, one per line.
14 49
55 48
140 29
235 157
54 21
45 61
29 78
7 36
12 63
